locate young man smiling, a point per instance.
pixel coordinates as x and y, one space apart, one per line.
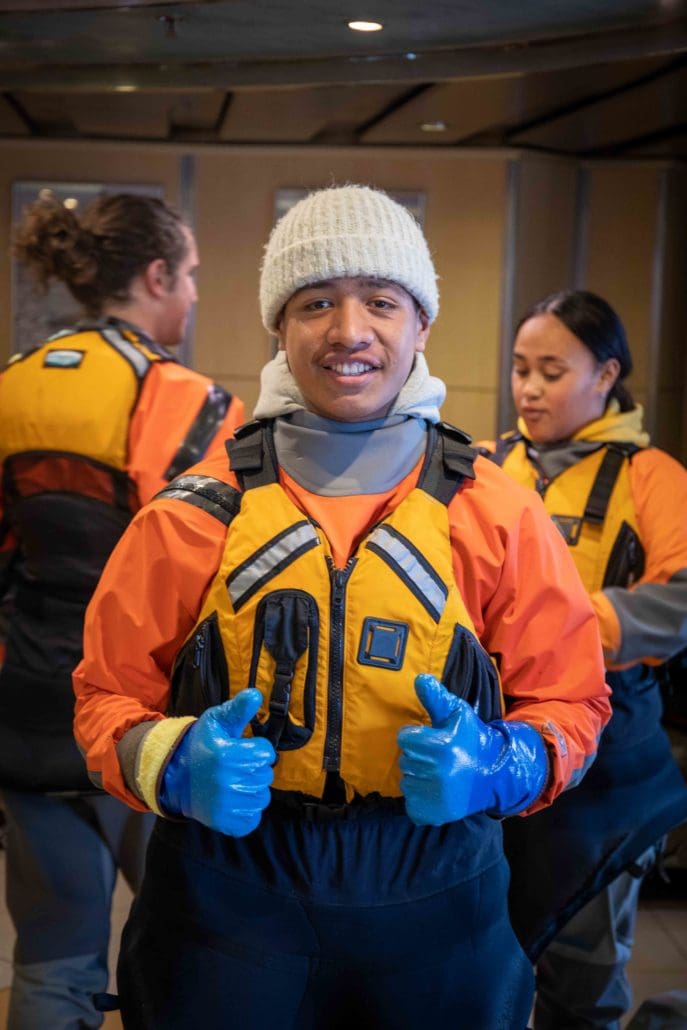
361 656
350 344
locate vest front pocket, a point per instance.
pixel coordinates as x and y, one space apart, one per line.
284 667
200 678
470 674
626 561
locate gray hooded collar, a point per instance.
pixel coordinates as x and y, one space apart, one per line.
338 459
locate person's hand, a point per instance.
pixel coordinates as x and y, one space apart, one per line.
460 765
217 776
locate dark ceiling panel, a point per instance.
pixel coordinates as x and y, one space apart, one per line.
670 147
290 71
647 107
492 104
83 5
11 121
302 114
240 29
120 115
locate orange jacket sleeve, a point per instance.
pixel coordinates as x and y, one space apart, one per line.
170 402
145 605
534 616
647 622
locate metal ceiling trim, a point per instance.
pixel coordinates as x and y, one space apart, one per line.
428 66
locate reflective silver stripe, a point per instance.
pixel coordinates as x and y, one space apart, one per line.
263 564
414 571
61 334
133 355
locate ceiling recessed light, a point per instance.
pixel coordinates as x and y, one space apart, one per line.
365 26
125 89
70 203
434 126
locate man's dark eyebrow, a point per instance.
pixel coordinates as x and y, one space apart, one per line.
316 286
373 282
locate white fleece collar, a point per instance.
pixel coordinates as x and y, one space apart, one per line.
421 395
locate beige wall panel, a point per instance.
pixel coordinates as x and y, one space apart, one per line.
545 230
543 196
621 234
472 410
464 226
234 198
72 163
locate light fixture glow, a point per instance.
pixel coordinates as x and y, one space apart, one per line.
434 126
365 26
125 89
70 203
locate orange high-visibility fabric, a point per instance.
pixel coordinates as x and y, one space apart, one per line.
170 399
658 484
518 581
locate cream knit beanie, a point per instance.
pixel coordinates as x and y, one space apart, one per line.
341 232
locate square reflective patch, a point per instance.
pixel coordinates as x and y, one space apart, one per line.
383 643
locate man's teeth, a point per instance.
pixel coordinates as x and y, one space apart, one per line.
351 368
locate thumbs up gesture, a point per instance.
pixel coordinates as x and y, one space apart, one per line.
216 775
461 766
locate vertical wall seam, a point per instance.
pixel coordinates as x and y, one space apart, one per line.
581 228
656 309
504 414
187 208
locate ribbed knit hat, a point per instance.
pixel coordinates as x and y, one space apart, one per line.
345 231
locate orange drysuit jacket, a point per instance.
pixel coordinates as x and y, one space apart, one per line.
521 589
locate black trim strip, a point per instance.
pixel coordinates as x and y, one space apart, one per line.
201 431
211 495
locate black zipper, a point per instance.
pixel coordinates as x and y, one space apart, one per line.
198 651
332 743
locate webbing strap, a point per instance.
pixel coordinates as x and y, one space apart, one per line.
504 445
201 431
602 487
252 455
211 495
449 460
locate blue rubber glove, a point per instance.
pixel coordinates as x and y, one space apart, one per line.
461 765
217 776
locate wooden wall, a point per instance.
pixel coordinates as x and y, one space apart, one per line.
504 227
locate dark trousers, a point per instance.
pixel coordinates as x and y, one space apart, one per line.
218 947
62 861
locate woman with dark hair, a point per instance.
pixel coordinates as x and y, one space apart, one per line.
620 505
93 423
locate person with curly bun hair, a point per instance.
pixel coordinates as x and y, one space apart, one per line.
93 423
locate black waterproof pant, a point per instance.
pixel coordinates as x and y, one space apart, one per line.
221 936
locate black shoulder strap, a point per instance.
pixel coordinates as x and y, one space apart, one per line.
602 487
504 445
201 431
207 493
252 455
449 460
